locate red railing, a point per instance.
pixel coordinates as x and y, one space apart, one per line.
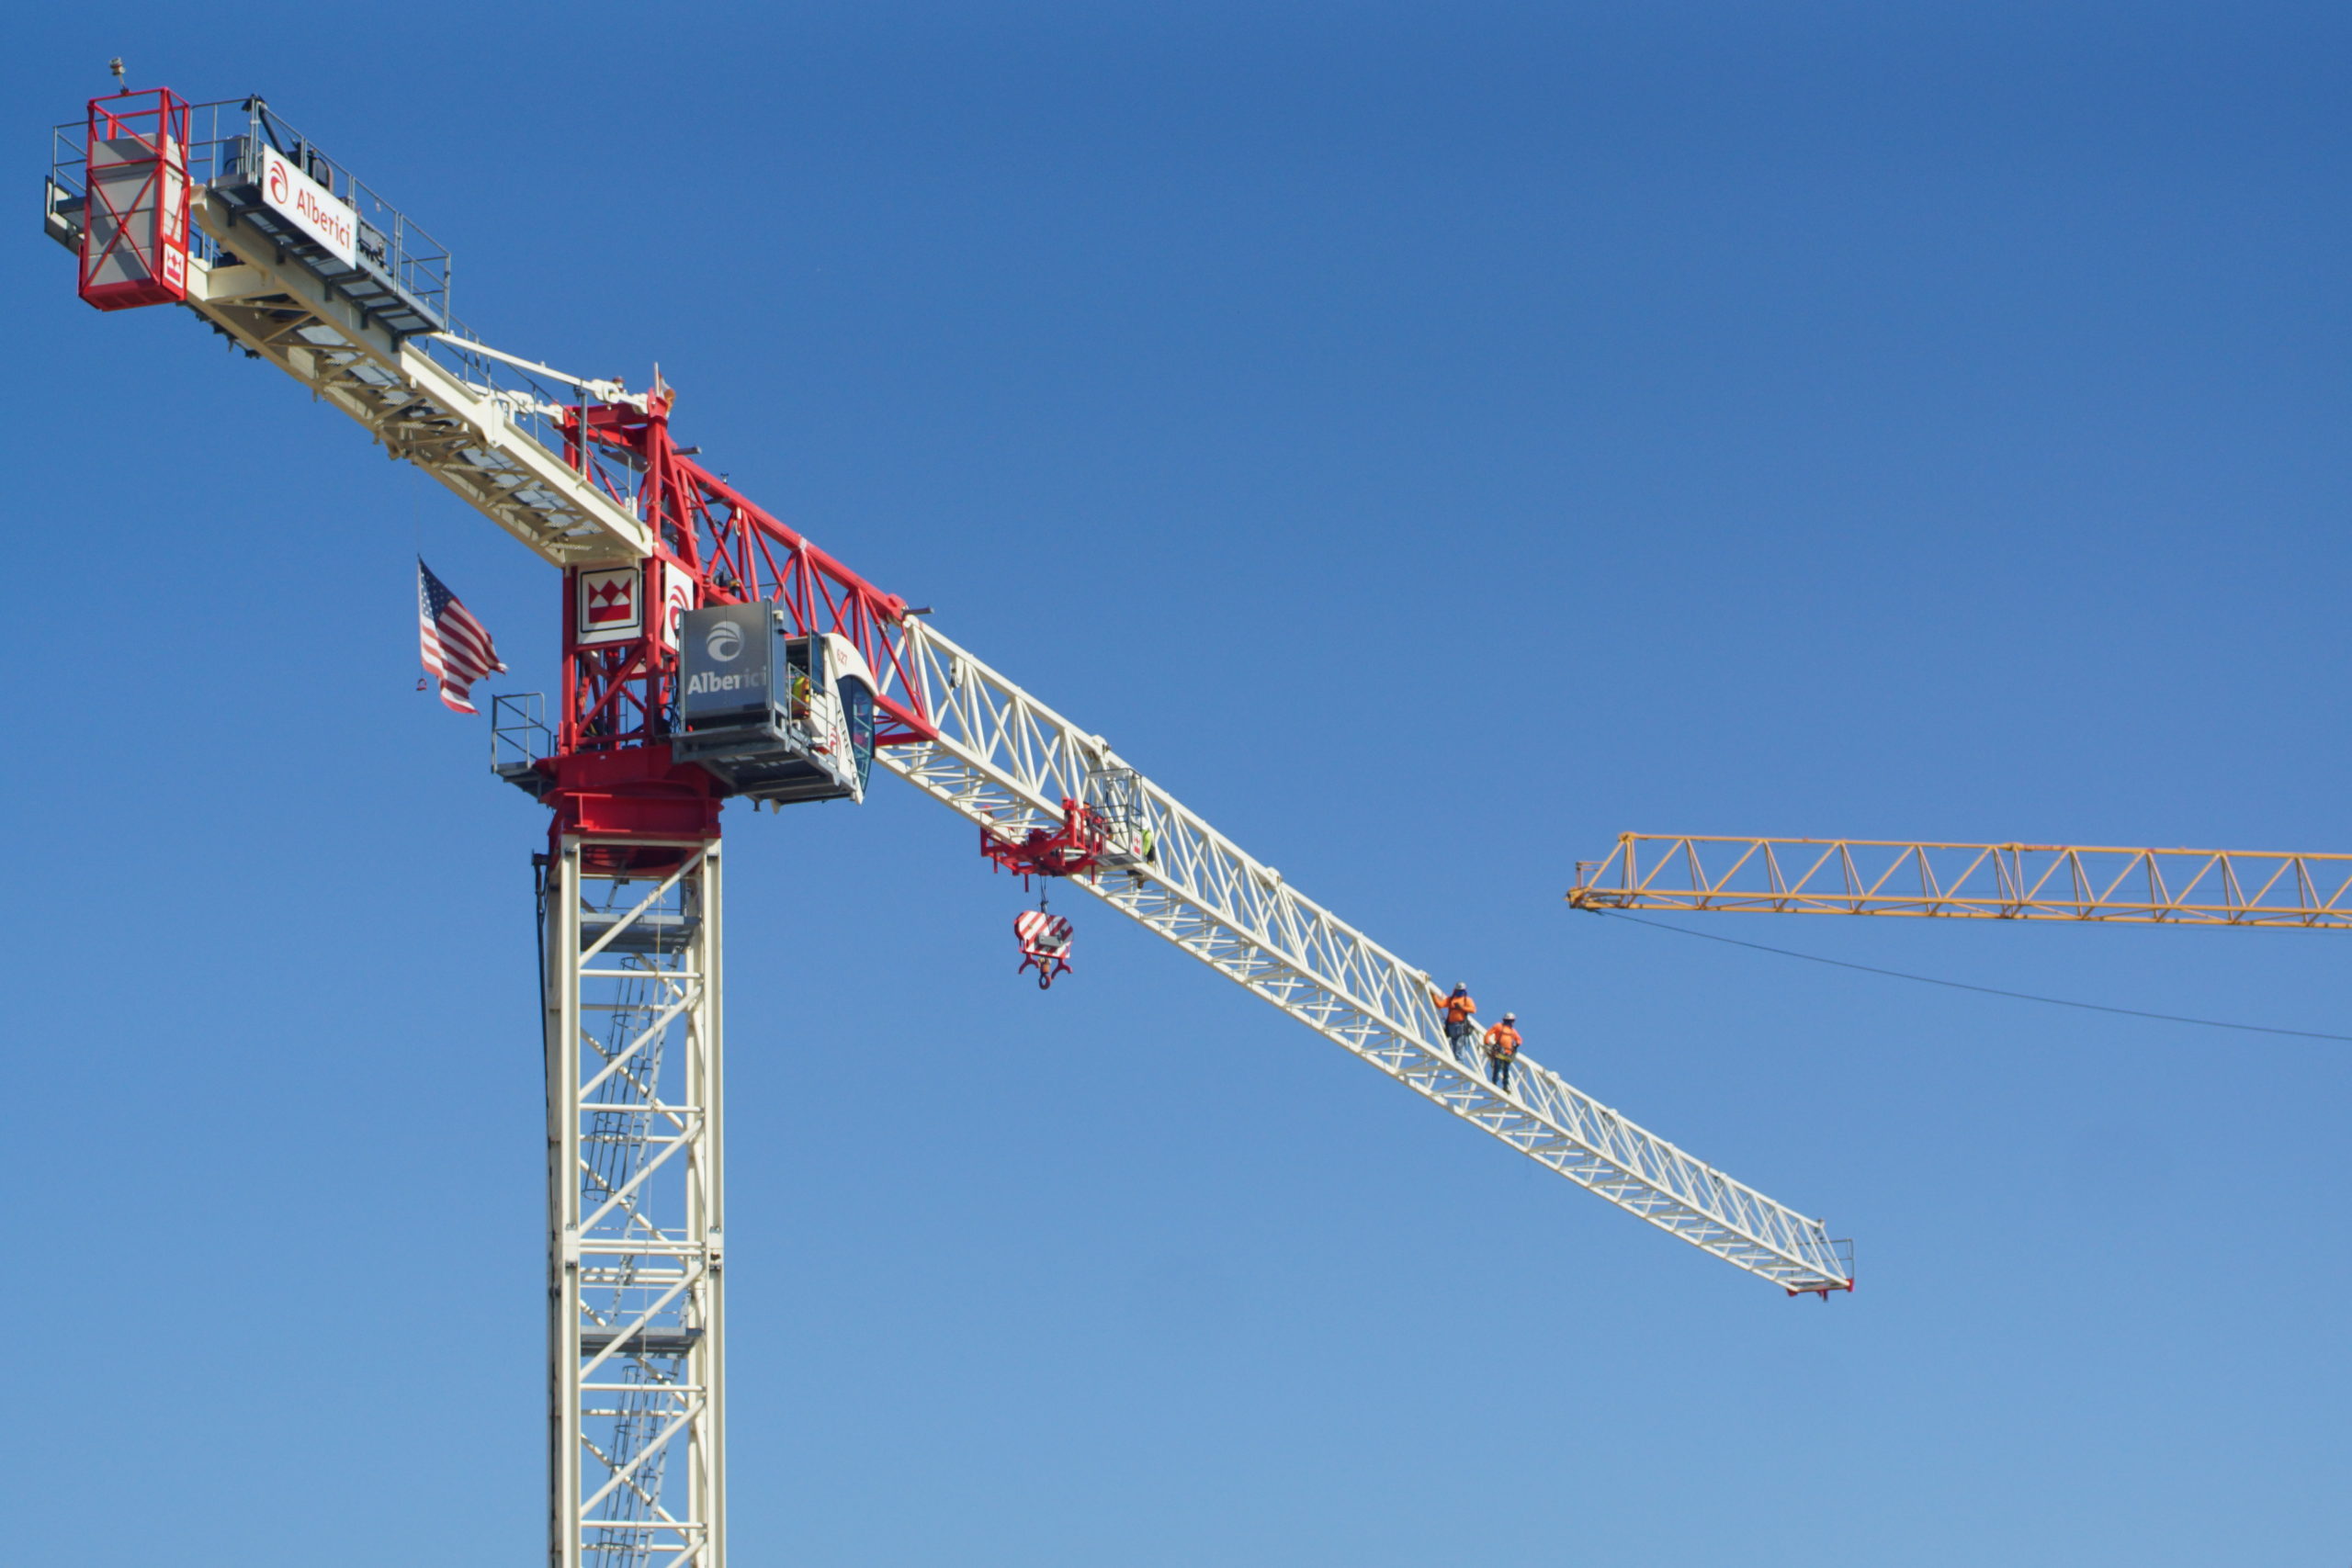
732 551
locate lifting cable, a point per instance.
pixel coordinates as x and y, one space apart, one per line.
1964 985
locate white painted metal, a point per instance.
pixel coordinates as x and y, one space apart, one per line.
448 415
636 1358
1006 760
636 1328
606 391
1003 759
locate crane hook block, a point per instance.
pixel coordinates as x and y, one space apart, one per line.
1090 839
1044 944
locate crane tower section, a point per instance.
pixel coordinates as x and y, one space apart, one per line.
635 1366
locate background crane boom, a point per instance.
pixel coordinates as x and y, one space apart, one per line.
1997 882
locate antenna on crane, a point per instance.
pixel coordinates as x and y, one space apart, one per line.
115 65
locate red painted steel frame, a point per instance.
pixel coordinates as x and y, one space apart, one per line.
159 239
613 764
1074 849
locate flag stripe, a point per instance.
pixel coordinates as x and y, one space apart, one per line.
457 648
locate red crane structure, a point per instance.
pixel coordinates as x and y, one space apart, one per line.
710 651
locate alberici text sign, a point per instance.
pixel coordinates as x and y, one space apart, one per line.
310 207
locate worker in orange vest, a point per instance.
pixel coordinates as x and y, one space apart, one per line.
1502 1044
1458 1009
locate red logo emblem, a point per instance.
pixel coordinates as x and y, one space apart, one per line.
610 609
609 602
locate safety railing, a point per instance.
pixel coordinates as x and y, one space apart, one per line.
226 141
536 406
519 737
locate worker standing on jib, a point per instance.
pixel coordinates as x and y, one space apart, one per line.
1459 1010
1503 1045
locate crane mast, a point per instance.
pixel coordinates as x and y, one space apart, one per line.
636 1209
226 208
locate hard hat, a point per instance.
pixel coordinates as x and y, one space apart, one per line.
1461 986
1510 1018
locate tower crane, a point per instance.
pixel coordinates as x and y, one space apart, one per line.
711 652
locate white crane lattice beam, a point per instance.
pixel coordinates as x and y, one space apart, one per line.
636 1351
1005 759
471 434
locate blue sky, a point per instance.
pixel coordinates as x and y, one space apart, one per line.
1430 440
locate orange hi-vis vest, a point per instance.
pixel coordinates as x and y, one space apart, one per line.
1457 1008
1502 1043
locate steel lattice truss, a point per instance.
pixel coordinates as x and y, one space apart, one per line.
585 474
1996 882
635 1362
489 444
1005 759
464 417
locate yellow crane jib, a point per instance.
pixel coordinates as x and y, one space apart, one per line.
1993 882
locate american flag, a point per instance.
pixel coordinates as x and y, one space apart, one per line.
456 648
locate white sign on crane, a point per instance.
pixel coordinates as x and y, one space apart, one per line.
310 207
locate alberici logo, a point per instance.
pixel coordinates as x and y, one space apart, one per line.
723 641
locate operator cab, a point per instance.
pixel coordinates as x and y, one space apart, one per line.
774 716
